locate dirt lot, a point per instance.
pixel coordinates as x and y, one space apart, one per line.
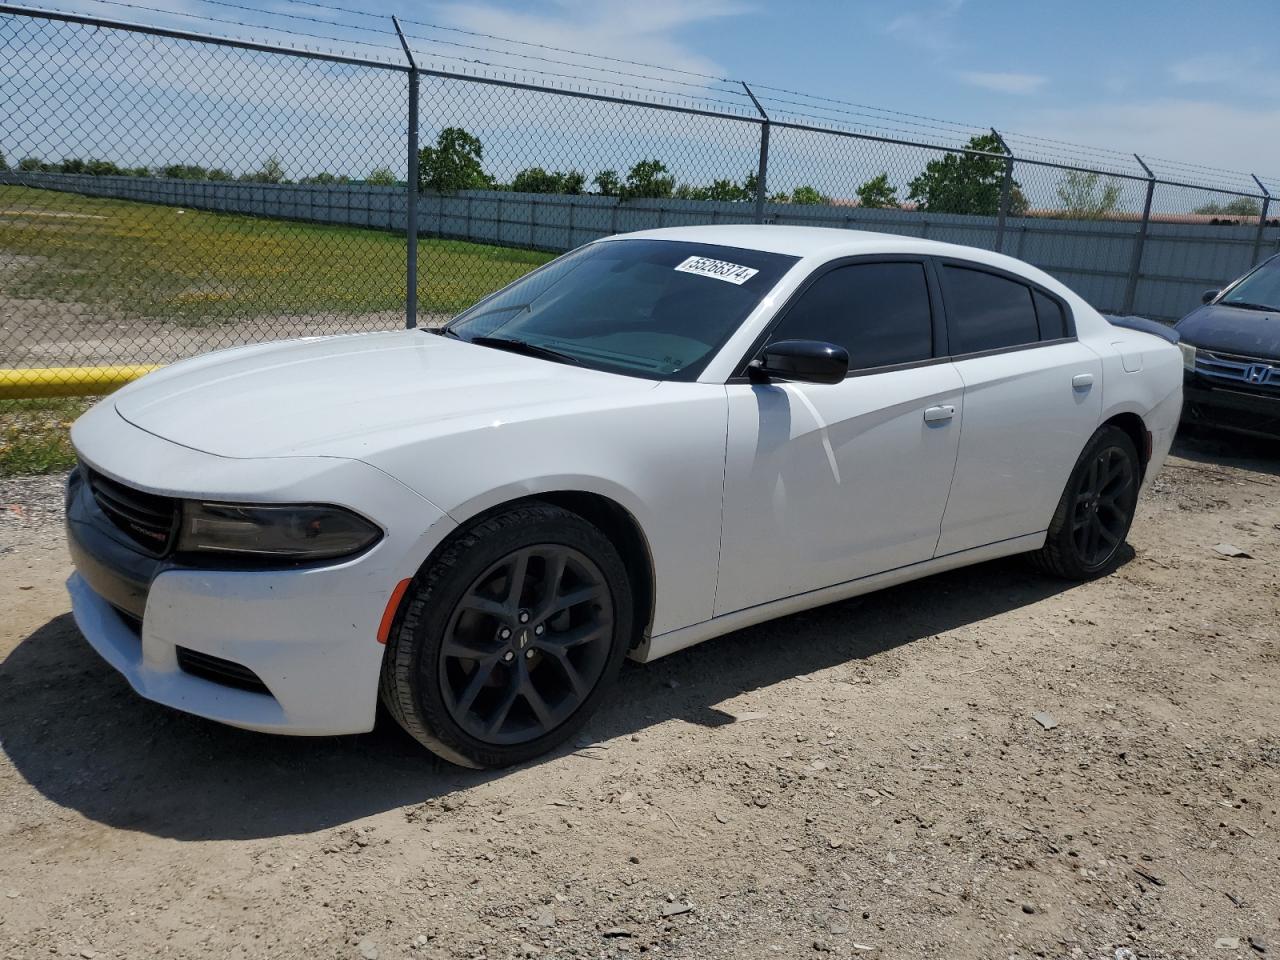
864 779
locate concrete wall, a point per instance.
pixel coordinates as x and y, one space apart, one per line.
1093 257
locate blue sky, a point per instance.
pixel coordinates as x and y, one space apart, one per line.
1135 75
1159 78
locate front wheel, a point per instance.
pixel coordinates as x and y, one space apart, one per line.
507 638
1096 510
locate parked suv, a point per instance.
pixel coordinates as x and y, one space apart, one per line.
1231 355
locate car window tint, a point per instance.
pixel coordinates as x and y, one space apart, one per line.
1053 322
987 312
879 312
651 308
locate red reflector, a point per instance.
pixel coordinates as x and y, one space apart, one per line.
1146 446
389 615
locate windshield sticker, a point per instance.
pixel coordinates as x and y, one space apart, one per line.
717 270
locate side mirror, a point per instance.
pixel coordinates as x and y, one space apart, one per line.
805 361
1209 296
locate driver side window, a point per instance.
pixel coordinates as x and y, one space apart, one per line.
879 312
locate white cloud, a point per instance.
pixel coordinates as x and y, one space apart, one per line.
645 32
1246 71
1020 84
1211 133
928 29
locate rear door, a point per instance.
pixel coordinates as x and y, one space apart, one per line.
826 483
1032 399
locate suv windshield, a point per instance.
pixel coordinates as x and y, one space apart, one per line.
651 308
1259 290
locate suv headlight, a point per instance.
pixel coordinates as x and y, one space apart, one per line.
284 532
1188 355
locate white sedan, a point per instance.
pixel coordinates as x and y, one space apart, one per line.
652 440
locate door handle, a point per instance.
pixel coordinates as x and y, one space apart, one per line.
939 414
1082 381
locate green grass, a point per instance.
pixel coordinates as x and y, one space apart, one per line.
35 435
150 261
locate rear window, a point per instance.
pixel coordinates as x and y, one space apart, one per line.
1052 318
986 311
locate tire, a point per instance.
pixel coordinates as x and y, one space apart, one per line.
1093 517
479 697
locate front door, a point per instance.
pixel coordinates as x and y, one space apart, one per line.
826 483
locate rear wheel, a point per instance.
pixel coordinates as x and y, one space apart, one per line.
1096 510
507 639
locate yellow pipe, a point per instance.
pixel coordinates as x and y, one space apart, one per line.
40 382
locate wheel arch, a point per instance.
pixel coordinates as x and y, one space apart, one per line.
1136 429
610 516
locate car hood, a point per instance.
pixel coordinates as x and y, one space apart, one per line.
350 396
1227 329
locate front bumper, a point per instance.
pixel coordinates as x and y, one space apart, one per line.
306 636
1230 408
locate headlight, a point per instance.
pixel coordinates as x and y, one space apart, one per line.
1188 355
288 532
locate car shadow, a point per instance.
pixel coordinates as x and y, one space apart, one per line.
76 732
1224 449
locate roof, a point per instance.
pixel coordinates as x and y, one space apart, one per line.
808 241
825 243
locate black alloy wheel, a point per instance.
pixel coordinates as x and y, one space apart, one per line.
509 636
1096 509
526 644
1103 507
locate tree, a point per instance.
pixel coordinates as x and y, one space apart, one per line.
878 193
270 172
33 165
141 172
724 190
326 178
1086 196
1239 207
4 164
808 196
538 180
965 182
646 179
184 171
71 165
381 177
101 168
217 173
453 164
607 183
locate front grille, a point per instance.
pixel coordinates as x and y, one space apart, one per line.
1254 374
217 670
148 520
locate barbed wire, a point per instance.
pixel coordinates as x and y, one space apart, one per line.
814 107
386 47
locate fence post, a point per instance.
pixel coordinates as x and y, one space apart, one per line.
1262 217
762 171
1135 265
411 209
1006 191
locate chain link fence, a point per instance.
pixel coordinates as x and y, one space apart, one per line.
163 193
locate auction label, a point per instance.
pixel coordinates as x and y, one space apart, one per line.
717 270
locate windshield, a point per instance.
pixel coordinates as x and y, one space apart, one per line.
652 308
1259 289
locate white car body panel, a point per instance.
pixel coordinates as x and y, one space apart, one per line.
832 482
1024 427
753 500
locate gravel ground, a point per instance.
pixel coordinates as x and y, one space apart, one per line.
988 763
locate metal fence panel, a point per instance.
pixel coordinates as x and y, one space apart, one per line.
185 265
164 194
